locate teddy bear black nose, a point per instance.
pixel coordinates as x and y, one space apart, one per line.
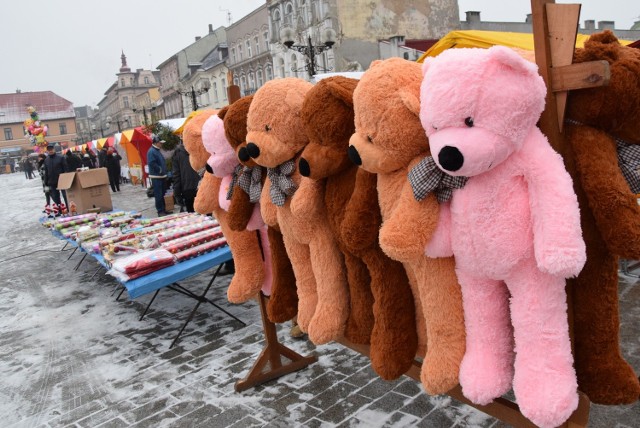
208 168
304 168
243 155
253 150
354 155
450 158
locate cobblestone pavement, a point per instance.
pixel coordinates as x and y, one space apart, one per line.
71 355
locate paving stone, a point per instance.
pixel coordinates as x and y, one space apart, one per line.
343 409
377 388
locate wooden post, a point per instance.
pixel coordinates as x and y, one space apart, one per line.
272 354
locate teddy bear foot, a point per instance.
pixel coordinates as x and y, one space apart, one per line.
242 289
324 329
547 405
306 310
613 384
438 377
485 378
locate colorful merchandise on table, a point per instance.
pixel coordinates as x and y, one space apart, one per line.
140 264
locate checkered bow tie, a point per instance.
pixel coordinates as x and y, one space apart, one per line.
426 177
281 183
249 179
629 161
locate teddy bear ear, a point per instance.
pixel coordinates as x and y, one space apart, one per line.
342 90
223 112
410 101
375 63
508 57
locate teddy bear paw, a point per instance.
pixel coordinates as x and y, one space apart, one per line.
563 262
398 244
437 377
484 378
547 401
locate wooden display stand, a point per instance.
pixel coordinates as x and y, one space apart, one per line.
272 354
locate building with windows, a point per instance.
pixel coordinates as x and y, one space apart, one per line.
53 110
473 22
118 109
177 74
355 28
249 51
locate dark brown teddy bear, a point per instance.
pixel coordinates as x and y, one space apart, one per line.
283 302
600 123
328 117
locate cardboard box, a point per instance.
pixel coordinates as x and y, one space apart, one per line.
168 203
88 189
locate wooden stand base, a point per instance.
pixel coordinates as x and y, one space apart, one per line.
501 408
272 354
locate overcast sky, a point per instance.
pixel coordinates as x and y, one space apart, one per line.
73 47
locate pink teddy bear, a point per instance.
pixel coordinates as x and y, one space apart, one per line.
514 227
223 161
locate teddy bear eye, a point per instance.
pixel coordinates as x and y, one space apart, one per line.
469 122
369 139
267 128
434 127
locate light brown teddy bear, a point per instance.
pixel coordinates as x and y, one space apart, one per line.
381 300
389 140
283 301
249 274
275 139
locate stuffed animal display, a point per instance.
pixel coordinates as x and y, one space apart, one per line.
512 224
249 275
602 133
244 197
388 138
378 287
275 139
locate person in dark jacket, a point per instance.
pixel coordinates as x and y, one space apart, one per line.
43 177
54 165
102 154
94 160
86 161
112 163
73 162
27 167
185 179
157 173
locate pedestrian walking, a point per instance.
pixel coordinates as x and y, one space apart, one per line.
43 177
185 179
54 165
73 162
112 163
157 173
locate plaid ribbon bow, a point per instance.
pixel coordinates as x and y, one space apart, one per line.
629 161
249 179
426 177
281 183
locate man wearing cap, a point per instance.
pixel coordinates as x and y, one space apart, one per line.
157 173
54 165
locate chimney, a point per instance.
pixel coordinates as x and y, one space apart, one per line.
473 16
606 25
198 38
529 19
210 28
589 24
396 42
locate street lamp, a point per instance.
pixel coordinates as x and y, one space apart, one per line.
310 51
118 122
101 129
144 112
193 92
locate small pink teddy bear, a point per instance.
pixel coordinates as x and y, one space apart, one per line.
514 228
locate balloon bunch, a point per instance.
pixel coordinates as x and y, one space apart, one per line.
35 131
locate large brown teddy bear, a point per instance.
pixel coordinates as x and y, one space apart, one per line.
249 274
598 121
389 320
275 139
388 141
283 301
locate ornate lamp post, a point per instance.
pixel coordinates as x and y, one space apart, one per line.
310 51
118 122
193 93
144 113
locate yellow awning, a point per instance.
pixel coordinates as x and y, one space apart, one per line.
486 39
100 142
191 115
